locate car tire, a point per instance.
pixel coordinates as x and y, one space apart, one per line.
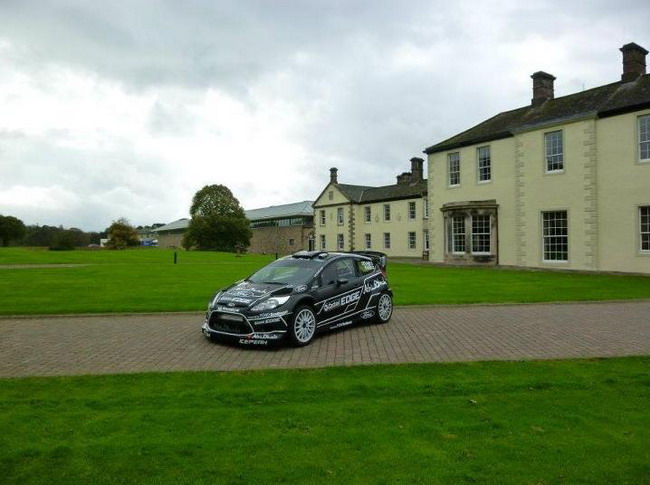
303 326
384 308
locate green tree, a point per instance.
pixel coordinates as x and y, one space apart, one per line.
11 229
218 221
122 235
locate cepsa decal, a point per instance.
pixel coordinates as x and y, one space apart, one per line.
246 341
344 300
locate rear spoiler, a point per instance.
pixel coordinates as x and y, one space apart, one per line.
380 259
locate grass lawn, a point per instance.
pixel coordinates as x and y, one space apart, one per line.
583 421
147 280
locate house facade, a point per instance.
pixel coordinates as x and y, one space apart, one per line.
561 183
391 218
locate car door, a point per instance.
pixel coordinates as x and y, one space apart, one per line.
339 293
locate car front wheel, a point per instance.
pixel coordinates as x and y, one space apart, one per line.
384 308
303 326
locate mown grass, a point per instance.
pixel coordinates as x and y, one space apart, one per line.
147 280
584 421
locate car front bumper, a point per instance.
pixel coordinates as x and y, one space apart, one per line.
237 328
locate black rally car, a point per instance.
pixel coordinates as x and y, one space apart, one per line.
300 295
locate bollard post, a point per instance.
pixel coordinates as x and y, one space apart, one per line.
175 257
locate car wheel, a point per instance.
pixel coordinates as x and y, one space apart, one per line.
384 308
303 326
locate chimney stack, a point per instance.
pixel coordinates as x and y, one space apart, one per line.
417 172
633 61
543 89
334 175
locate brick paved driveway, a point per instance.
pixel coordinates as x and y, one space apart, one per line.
173 342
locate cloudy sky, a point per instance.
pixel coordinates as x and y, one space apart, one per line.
126 108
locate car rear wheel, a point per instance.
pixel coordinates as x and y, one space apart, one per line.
384 308
303 326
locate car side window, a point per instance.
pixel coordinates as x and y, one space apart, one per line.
342 269
364 266
328 275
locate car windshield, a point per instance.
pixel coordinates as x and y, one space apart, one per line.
290 271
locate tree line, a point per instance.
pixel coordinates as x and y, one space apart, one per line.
120 234
218 223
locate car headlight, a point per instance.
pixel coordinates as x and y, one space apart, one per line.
214 299
270 304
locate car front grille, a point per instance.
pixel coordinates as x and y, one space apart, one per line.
229 323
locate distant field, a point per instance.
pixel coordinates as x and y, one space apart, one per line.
572 422
147 280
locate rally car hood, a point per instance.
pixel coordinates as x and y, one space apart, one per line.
245 293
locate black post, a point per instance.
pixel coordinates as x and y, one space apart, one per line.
175 257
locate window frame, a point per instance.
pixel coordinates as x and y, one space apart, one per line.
340 216
457 240
367 214
643 138
551 151
387 240
323 245
644 229
412 210
478 236
322 219
550 242
426 244
453 176
412 240
367 240
484 164
340 242
386 212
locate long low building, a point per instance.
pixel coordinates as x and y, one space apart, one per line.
281 229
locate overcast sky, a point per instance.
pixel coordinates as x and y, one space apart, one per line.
125 108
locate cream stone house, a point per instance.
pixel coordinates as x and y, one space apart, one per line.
391 218
561 183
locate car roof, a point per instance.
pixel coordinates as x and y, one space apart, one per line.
326 256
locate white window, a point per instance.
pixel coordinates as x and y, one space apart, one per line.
481 234
554 151
644 228
340 242
457 235
555 236
387 240
453 164
330 195
412 241
368 241
425 202
484 164
426 240
322 242
339 216
412 212
367 214
387 212
644 138
322 217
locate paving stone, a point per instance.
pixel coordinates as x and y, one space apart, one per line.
73 345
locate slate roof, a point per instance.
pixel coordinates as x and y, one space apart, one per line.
179 225
363 194
297 209
609 100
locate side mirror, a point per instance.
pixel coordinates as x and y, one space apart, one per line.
342 281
